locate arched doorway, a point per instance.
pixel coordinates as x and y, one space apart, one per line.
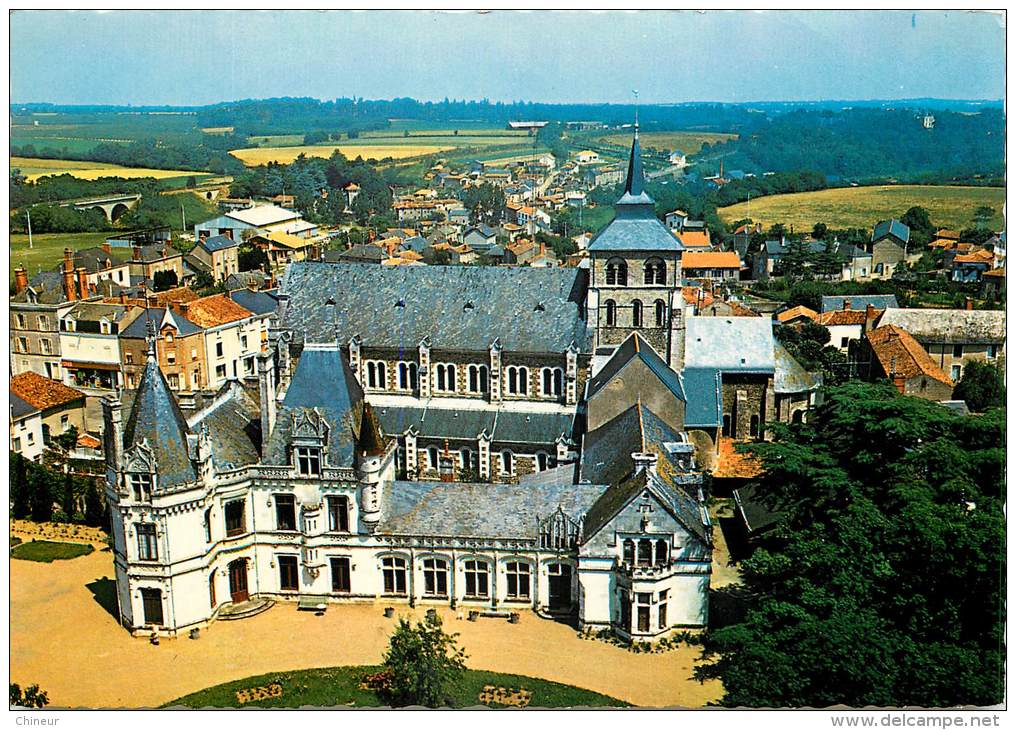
238 580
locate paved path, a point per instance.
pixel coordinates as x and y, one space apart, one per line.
63 639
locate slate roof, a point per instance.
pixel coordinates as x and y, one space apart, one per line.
94 258
730 344
359 252
633 347
949 325
483 229
20 409
155 416
138 329
775 249
235 428
253 279
791 377
504 511
526 309
705 401
217 243
757 517
466 424
891 227
860 301
322 381
606 452
42 392
48 287
258 302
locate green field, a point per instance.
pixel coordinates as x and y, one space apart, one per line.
47 250
862 207
339 686
687 142
46 551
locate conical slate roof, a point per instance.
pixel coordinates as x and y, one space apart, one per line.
156 416
635 184
370 441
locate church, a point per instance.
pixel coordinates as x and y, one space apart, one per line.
488 438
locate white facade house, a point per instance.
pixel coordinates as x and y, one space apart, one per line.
26 434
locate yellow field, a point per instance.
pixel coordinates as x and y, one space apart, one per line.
217 130
33 168
263 155
688 142
861 207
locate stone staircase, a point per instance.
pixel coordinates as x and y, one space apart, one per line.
244 609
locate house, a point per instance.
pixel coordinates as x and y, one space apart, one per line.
997 245
857 263
351 190
219 256
888 247
57 407
677 158
772 252
587 157
993 283
283 248
603 175
952 337
260 219
233 337
970 267
532 218
480 238
675 219
797 315
848 325
859 302
714 265
899 358
179 349
90 345
458 216
104 263
25 429
575 198
366 253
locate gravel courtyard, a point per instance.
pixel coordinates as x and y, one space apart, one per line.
65 638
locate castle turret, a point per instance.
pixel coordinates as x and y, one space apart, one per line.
371 463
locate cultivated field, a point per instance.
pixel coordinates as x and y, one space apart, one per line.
862 207
263 155
34 167
687 142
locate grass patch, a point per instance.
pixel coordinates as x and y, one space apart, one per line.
340 686
862 207
47 249
688 142
46 551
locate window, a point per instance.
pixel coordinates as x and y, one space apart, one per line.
662 611
518 380
643 600
208 525
194 354
393 572
408 376
844 342
289 580
552 382
955 372
645 552
661 552
432 457
19 321
285 512
341 582
468 459
477 578
248 365
338 514
141 485
47 348
218 349
174 381
957 350
151 603
992 352
30 438
235 517
753 426
617 273
220 371
308 461
435 578
507 463
16 444
22 344
377 375
445 377
518 580
147 549
479 381
660 308
243 342
636 313
43 322
128 358
655 272
65 422
611 307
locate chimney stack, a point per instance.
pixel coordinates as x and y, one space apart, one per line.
869 317
20 279
136 252
82 282
68 276
846 305
107 248
969 304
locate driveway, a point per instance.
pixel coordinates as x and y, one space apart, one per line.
65 638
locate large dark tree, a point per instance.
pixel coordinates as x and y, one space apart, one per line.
981 386
41 494
882 583
423 663
21 500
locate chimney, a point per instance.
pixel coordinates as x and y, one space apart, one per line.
107 248
136 253
869 317
83 282
266 382
969 304
900 382
20 279
846 305
153 301
123 297
68 276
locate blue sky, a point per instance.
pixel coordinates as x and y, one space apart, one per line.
200 57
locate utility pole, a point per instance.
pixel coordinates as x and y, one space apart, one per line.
29 214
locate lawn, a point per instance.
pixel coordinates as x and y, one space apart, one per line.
339 686
687 142
262 155
47 249
862 207
46 551
35 167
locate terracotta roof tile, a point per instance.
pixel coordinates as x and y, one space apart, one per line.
795 312
901 355
41 392
696 239
980 256
733 464
215 310
710 259
845 317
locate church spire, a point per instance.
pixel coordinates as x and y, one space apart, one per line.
635 183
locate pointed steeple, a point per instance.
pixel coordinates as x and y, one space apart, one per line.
369 442
635 184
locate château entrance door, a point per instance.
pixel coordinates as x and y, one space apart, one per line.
151 602
238 580
560 580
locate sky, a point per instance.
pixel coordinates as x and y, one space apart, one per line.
199 57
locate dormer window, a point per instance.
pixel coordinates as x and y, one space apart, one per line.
140 485
308 461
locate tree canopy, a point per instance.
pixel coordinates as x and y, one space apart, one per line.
423 663
881 583
982 386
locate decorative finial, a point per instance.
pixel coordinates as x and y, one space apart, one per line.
635 93
150 337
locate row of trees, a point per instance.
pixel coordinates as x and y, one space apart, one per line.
37 488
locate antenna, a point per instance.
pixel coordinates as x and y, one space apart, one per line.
635 93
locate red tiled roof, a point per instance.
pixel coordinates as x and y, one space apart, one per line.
215 310
980 256
902 356
710 259
732 463
40 392
845 317
795 312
